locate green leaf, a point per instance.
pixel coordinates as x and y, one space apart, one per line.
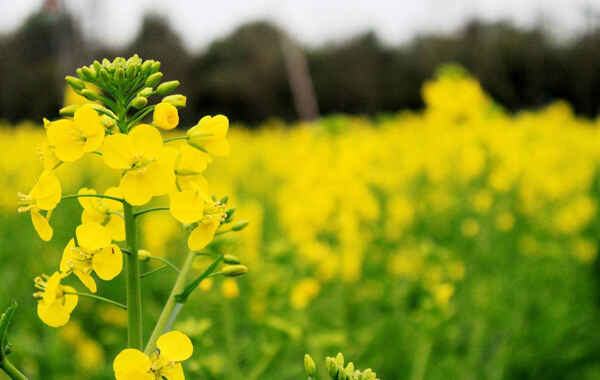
183 296
4 323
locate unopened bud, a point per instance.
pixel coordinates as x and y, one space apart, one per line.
231 259
143 255
177 100
76 83
146 92
309 365
339 360
107 121
147 66
332 368
155 67
167 87
154 79
90 95
89 73
238 226
120 75
234 270
69 110
224 200
138 102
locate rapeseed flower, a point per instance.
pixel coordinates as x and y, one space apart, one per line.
165 116
191 206
94 253
173 348
106 212
210 135
44 195
189 165
55 303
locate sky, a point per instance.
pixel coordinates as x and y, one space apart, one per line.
312 22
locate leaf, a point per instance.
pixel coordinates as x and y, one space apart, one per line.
183 296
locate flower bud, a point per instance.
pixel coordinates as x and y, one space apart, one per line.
76 83
240 225
143 255
90 95
309 365
234 270
332 368
104 75
231 259
146 92
339 360
107 121
177 100
97 66
147 66
167 87
224 200
120 75
154 79
88 73
138 102
69 110
155 67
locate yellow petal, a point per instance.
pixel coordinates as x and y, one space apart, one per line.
163 175
41 225
192 160
132 364
108 263
69 257
92 236
218 148
202 235
187 206
70 300
86 279
147 141
118 151
173 372
165 116
116 227
175 346
47 191
52 314
137 187
87 202
67 140
90 124
110 204
92 216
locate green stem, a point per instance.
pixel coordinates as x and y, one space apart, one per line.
142 212
167 262
71 196
170 139
134 290
11 370
163 319
151 272
100 298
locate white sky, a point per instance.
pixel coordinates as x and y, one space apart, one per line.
313 22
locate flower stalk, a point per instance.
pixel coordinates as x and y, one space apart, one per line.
134 290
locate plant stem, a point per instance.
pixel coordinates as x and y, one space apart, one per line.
11 370
100 298
175 139
92 196
142 212
163 319
134 290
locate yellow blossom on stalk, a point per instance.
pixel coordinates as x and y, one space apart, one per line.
94 253
44 195
165 116
210 135
189 165
72 138
106 212
191 206
173 348
54 306
147 164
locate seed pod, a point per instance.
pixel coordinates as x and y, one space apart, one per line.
231 259
234 270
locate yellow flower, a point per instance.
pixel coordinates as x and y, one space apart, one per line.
191 206
94 253
54 306
304 292
44 195
210 135
173 348
72 138
148 165
107 212
189 165
165 116
230 288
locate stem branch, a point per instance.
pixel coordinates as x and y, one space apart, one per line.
134 290
100 298
11 370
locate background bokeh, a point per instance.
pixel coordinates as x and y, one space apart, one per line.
430 208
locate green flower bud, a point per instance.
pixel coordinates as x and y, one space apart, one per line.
69 110
309 365
154 79
106 63
177 100
119 75
231 259
155 67
76 83
89 73
90 95
146 92
97 66
131 71
107 121
144 255
332 368
240 225
224 200
147 66
167 87
138 102
105 75
339 360
234 270
229 215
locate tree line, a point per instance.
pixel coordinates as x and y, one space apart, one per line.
244 74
